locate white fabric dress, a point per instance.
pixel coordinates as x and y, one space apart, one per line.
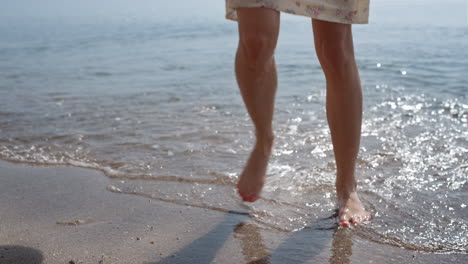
340 11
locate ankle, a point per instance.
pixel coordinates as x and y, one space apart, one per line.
265 142
265 137
344 188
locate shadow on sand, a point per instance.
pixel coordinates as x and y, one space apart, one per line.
19 255
300 247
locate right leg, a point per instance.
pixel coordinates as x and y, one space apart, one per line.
334 46
257 80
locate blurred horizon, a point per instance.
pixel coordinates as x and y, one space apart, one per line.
146 93
422 12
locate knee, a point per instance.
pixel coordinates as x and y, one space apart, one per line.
336 57
257 48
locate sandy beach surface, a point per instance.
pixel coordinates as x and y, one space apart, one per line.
66 215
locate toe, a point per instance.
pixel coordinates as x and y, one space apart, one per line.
344 220
343 217
366 218
250 198
344 223
360 218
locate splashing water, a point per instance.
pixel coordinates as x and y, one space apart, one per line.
179 133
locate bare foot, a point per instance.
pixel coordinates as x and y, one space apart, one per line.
351 210
252 177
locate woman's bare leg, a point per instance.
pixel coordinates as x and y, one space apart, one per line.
257 80
334 47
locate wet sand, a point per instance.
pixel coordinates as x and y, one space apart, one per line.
66 215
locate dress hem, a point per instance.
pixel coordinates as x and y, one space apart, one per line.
231 14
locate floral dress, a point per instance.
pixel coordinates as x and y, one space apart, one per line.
340 11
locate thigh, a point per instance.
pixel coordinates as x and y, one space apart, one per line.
258 26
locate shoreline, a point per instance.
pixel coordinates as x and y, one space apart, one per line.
58 214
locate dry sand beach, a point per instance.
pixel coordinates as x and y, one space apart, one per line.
65 215
123 134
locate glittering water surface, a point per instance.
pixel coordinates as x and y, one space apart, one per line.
156 107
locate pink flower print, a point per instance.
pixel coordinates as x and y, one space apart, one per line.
315 10
298 3
350 16
266 3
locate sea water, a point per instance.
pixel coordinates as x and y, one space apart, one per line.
155 106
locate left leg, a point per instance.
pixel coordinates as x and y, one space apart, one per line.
334 47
